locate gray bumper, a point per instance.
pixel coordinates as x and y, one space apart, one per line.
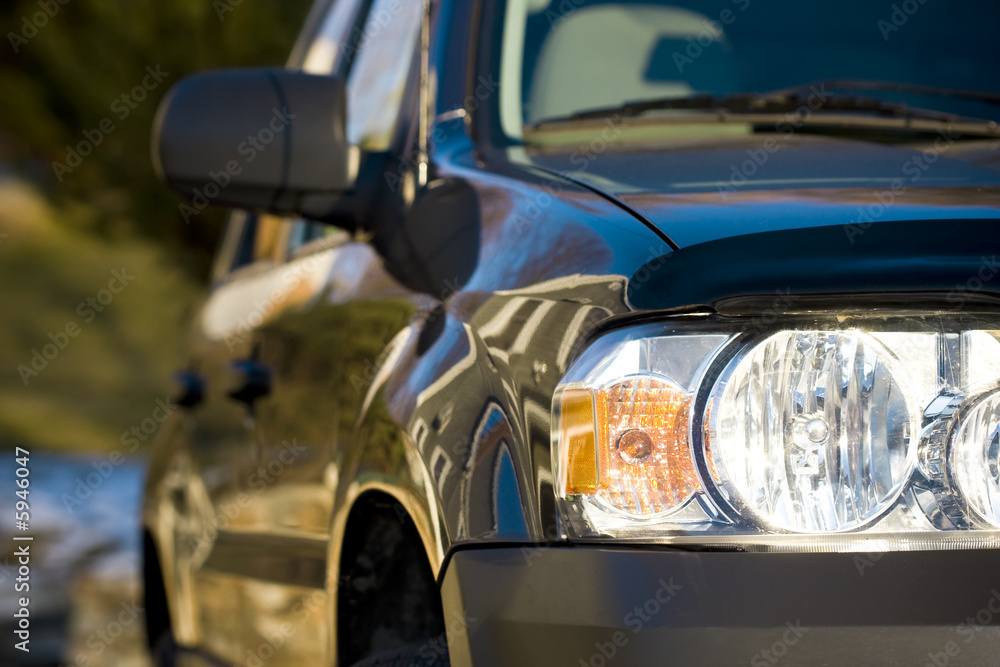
590 606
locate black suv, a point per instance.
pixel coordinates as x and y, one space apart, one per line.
589 332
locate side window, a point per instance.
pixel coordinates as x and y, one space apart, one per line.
324 56
251 238
381 64
380 51
328 46
304 232
266 237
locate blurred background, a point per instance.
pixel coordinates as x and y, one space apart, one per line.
100 273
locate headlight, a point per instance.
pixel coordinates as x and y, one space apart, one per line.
826 433
976 459
812 431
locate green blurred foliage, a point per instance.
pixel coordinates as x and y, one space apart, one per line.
63 73
58 82
107 377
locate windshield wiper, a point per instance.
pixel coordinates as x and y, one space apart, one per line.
790 99
889 87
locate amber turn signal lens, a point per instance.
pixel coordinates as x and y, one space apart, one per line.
627 445
576 426
642 427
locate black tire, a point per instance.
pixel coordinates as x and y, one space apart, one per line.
412 655
159 633
388 601
164 651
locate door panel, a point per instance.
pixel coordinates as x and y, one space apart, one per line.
318 324
310 331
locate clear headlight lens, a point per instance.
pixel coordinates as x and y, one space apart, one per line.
819 432
976 459
811 430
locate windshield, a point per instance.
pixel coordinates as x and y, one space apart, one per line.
563 57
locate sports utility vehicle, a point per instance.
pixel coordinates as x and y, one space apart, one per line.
588 332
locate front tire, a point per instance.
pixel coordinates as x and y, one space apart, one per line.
412 655
164 651
159 633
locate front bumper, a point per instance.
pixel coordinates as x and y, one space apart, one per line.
586 606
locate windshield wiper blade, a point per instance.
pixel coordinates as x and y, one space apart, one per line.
703 102
888 87
790 99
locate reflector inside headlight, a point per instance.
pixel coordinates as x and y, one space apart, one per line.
817 433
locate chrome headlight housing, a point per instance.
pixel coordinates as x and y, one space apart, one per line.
872 431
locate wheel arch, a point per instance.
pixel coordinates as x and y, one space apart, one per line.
387 594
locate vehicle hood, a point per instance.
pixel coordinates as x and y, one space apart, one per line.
704 190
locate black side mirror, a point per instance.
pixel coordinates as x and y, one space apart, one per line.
265 139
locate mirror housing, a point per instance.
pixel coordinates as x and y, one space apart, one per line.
264 138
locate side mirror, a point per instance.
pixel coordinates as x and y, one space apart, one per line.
265 139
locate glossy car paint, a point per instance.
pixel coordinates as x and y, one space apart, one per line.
440 397
700 190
